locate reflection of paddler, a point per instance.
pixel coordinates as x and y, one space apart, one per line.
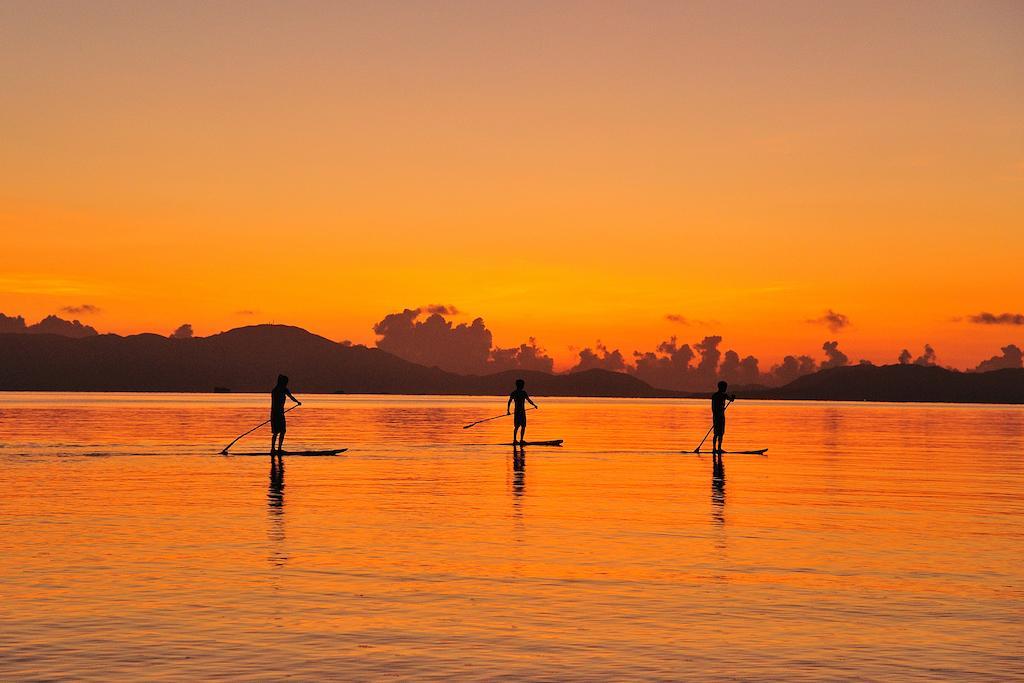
278 426
520 398
719 400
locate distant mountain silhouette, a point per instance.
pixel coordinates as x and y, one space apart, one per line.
248 359
902 383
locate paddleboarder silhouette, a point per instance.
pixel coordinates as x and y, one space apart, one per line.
278 427
520 398
719 400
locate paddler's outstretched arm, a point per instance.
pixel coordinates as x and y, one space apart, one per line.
289 395
530 401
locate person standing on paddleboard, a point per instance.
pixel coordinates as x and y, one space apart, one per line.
277 422
719 400
520 398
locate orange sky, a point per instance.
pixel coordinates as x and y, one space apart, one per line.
571 172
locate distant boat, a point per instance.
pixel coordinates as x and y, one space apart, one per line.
221 390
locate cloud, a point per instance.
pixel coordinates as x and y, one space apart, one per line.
12 324
683 320
671 365
435 341
440 309
834 321
464 348
600 358
791 368
51 324
736 370
926 358
707 368
834 358
667 367
183 332
524 357
985 318
467 348
1012 357
81 309
696 368
246 312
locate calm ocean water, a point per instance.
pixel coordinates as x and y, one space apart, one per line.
875 542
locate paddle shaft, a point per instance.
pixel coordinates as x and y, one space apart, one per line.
697 449
225 451
496 417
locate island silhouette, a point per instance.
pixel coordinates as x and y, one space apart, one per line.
241 359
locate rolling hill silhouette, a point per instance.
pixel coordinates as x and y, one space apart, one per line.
248 359
903 383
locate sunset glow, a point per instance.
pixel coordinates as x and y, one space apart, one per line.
567 175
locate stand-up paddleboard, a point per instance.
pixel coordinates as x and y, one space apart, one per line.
553 442
761 451
294 454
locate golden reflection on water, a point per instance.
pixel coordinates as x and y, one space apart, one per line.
874 541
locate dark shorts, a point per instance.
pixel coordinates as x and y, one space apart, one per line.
719 425
277 425
519 419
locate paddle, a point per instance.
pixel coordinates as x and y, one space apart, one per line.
496 417
697 449
225 451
